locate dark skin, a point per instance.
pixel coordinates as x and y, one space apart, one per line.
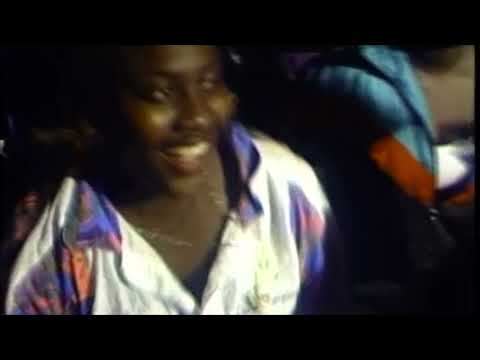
169 107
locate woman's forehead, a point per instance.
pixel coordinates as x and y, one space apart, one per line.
169 59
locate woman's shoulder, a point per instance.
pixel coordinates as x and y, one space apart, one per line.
277 154
285 167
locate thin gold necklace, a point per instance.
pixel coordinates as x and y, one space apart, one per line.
156 236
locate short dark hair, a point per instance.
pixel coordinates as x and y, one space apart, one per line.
56 139
45 85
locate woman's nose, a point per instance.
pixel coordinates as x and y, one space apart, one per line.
195 115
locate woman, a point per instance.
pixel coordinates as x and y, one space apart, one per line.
175 209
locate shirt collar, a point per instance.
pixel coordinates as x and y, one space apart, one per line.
92 220
96 217
249 207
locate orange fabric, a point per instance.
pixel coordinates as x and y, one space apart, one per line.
407 172
82 273
464 197
76 264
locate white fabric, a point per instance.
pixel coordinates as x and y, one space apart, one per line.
451 167
257 269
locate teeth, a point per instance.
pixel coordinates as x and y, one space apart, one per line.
196 150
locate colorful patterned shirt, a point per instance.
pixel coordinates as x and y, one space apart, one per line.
83 258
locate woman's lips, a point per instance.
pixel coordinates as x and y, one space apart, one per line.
186 159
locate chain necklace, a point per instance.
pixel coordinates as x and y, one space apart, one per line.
154 235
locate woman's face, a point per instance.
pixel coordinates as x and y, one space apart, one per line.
175 102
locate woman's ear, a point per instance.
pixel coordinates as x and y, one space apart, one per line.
233 106
72 145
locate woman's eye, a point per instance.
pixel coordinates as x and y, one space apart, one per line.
209 83
159 95
162 94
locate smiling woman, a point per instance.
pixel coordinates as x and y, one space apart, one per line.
172 207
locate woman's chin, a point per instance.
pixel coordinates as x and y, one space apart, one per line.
181 176
182 186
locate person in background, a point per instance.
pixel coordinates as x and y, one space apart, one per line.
391 130
160 203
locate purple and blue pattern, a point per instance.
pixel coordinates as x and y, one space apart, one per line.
309 226
63 281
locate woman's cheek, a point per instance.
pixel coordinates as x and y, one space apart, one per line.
224 105
150 122
155 120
